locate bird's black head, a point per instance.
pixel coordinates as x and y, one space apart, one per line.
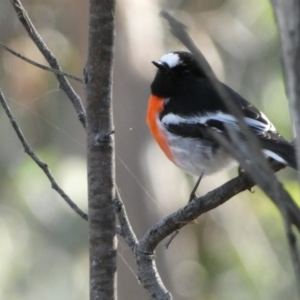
176 72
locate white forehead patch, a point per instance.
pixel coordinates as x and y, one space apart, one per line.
171 59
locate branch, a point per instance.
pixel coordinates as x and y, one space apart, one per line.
287 14
193 210
147 271
126 230
178 29
36 159
40 65
36 38
147 245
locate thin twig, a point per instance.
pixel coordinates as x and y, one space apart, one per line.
37 39
126 230
179 30
40 65
287 15
36 159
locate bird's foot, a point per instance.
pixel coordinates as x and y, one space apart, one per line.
247 178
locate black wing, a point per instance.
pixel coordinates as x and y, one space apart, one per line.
215 115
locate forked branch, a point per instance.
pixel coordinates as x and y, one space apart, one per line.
37 160
37 39
34 63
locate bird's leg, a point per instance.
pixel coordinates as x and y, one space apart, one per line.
193 195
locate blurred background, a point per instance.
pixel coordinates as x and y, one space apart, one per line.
235 252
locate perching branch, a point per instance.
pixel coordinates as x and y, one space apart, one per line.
37 39
144 251
40 65
145 248
36 159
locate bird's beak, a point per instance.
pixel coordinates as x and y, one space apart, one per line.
161 66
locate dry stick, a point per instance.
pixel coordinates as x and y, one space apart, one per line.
147 272
193 210
287 14
36 159
146 246
126 230
178 29
40 65
36 38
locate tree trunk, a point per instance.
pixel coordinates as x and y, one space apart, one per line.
100 150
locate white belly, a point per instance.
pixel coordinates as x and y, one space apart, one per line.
194 157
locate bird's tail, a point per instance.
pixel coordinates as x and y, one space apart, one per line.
281 151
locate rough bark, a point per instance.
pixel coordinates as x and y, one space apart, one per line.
100 152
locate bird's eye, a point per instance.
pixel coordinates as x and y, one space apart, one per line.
186 73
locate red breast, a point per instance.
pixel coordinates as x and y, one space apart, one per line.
155 106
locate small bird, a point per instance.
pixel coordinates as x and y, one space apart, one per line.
184 104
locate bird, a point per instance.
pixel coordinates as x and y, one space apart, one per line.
184 106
